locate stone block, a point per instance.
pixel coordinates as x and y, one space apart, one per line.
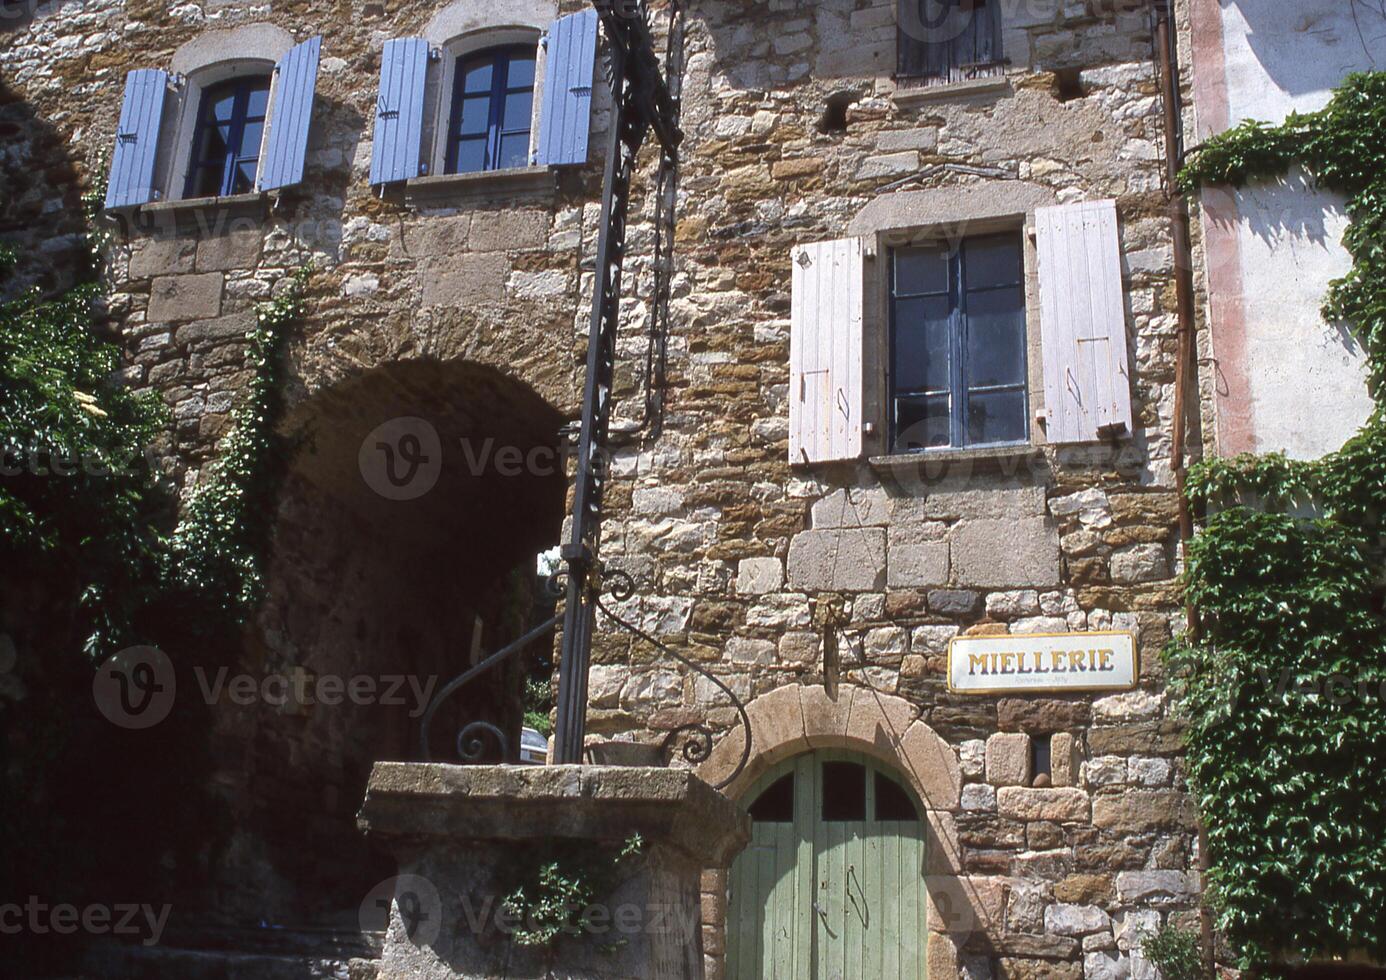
741 650
942 854
1140 563
236 248
1013 605
1106 965
464 280
979 797
1040 715
1008 759
175 299
777 722
790 169
838 560
800 648
1064 805
924 138
959 500
1142 886
1085 889
860 507
972 756
493 231
759 576
998 553
1139 811
953 602
878 719
885 644
162 257
1065 760
1061 919
965 904
932 640
888 165
825 717
436 236
932 766
914 565
236 326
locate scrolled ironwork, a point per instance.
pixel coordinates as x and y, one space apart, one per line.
699 746
471 741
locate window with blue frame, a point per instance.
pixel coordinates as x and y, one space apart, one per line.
226 139
958 349
492 109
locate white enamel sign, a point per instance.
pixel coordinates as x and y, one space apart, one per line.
1043 662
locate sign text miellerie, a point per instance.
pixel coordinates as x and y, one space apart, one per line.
1043 662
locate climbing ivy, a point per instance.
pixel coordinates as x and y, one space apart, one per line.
1284 691
80 503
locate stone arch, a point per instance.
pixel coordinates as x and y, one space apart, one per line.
798 718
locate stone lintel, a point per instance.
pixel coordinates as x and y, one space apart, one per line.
672 807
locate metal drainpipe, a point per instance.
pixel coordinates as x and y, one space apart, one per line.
1167 45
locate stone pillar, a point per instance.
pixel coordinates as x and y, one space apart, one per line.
466 837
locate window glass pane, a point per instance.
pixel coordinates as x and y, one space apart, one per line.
471 155
519 108
844 791
993 261
514 151
477 75
244 178
996 417
521 73
214 148
995 338
776 804
258 102
474 116
223 104
250 139
920 270
922 423
892 802
921 344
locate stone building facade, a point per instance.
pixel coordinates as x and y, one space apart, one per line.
824 593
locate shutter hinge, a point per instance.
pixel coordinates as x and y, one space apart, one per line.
435 54
544 41
423 170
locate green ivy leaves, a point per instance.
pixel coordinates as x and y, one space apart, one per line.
1285 696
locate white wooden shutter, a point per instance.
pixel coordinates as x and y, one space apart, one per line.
825 352
1087 381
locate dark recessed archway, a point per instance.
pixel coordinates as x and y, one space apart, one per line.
417 499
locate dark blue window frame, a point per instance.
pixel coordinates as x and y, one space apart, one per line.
958 360
508 117
226 140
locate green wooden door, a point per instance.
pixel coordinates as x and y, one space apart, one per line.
832 884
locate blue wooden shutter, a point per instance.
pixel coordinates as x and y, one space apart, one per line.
567 114
137 139
290 116
399 110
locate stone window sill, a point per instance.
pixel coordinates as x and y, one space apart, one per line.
497 185
940 462
205 213
921 95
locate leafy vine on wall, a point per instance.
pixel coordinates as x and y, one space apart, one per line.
1285 690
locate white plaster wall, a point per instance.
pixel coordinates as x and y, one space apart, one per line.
1302 380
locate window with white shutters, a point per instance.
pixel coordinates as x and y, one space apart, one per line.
825 351
1087 380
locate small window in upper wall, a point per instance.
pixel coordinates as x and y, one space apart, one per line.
776 803
941 41
492 110
226 140
958 345
892 802
844 791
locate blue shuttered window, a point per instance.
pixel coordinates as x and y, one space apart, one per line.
398 138
226 141
492 111
137 139
958 355
568 78
290 116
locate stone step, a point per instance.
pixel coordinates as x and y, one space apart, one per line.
225 954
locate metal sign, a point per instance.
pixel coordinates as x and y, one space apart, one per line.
1064 662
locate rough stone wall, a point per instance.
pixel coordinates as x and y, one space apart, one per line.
743 562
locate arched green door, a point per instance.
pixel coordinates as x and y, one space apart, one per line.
832 884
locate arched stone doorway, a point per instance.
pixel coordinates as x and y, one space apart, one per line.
796 719
416 501
832 884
